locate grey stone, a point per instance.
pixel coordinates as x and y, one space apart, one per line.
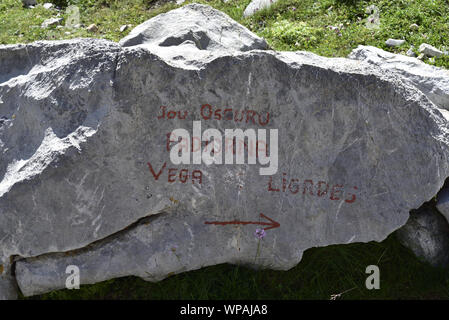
92 28
49 107
123 28
394 42
414 27
256 5
429 50
84 152
51 22
411 52
443 203
29 2
426 233
432 81
48 5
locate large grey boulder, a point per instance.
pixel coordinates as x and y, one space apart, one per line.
426 233
432 81
86 153
53 97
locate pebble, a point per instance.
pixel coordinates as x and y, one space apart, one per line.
394 42
51 22
429 50
410 52
414 27
92 28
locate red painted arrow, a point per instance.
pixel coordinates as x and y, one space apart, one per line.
273 224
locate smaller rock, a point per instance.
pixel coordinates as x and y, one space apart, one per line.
394 42
410 52
256 5
67 32
48 5
123 28
414 27
426 234
29 2
92 28
51 22
429 50
180 1
77 26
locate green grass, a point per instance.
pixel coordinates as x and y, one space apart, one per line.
287 25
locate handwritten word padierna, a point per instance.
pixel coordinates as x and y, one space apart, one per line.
181 152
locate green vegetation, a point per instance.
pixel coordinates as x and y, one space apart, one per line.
327 27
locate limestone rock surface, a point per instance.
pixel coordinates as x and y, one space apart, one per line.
432 81
426 233
346 151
